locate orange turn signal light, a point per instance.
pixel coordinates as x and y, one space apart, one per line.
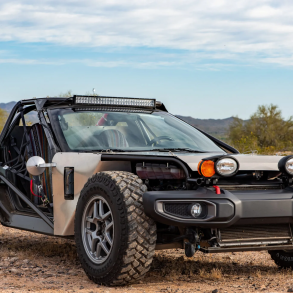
206 168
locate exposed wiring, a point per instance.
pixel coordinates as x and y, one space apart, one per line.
31 188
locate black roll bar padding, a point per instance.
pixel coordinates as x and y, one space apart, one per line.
27 201
134 158
8 122
28 146
52 146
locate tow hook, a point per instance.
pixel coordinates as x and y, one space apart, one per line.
193 243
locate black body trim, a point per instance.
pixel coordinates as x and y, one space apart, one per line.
28 223
249 207
134 158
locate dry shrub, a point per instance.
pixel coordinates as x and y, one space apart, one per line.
215 274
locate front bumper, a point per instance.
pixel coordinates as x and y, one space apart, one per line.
239 207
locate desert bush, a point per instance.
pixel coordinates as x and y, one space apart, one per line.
266 132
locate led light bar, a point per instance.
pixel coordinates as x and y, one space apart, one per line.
115 101
116 109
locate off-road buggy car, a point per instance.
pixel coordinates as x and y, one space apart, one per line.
124 178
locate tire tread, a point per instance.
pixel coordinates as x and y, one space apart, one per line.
138 231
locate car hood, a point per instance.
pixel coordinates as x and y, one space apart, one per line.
247 162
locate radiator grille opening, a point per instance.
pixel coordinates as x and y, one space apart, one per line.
265 234
250 187
178 209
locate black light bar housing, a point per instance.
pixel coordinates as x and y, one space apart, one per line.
114 101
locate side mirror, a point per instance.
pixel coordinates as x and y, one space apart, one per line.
37 166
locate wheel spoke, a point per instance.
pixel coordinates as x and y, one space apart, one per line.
88 231
89 219
95 213
104 247
108 238
98 251
108 225
95 240
105 216
101 209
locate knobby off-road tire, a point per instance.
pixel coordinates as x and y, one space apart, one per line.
133 233
282 258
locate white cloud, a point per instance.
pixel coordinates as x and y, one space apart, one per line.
262 30
89 62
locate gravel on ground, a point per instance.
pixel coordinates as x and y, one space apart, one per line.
31 262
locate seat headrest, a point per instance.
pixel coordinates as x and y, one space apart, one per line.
113 138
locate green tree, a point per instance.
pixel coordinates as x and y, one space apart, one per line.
81 119
67 94
266 131
3 118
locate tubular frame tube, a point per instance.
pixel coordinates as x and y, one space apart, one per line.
246 248
28 202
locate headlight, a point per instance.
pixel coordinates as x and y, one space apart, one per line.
286 165
196 210
289 166
227 167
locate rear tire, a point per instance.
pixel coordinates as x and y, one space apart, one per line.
282 258
132 234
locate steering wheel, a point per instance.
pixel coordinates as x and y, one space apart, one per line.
163 137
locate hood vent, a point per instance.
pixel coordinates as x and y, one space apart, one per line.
159 171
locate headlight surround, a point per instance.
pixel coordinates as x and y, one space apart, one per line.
226 166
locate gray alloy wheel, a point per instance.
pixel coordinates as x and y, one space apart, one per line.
97 229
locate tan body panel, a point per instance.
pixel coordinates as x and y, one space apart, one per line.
246 162
85 165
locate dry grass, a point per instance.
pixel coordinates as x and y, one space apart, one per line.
214 274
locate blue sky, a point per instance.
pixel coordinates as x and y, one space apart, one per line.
206 59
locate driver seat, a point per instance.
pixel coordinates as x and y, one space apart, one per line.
113 138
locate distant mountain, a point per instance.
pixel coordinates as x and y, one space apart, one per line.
215 127
7 106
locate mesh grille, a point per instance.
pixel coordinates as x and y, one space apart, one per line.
178 209
257 232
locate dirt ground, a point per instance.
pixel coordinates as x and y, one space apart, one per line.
31 262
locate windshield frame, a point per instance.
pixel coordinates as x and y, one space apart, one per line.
59 135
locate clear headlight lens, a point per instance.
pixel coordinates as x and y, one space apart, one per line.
289 166
227 166
196 210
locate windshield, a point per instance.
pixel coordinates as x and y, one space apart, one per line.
121 131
